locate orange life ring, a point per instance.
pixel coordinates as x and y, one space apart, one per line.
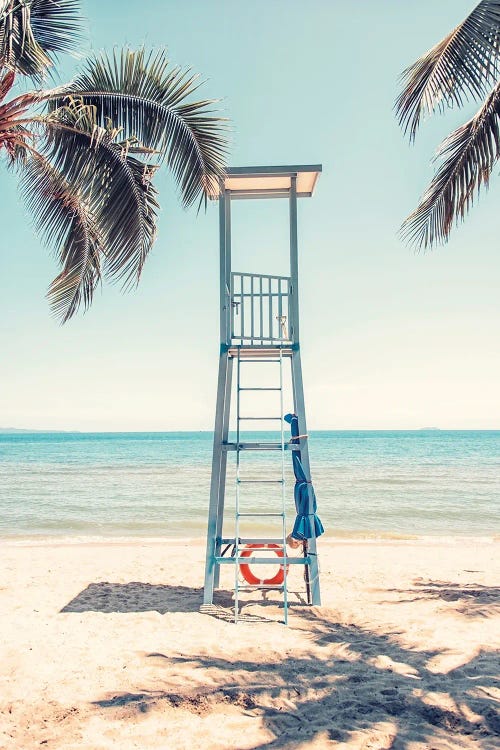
250 578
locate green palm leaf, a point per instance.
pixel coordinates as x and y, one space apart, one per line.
115 184
86 166
64 220
149 100
91 199
464 64
32 32
57 25
470 153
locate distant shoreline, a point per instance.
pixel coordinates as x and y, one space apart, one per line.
27 431
16 430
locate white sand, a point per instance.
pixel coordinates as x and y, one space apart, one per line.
103 646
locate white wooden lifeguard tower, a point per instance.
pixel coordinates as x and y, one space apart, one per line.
259 323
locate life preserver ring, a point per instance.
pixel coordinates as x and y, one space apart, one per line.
250 578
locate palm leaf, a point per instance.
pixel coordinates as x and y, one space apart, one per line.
469 155
116 185
6 83
19 49
33 31
93 201
463 65
150 101
14 115
57 25
65 222
143 175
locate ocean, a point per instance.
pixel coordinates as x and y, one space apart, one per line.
369 484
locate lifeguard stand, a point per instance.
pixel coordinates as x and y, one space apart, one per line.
259 322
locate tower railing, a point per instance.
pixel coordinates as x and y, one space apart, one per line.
261 309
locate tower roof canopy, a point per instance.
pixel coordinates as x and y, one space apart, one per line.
271 182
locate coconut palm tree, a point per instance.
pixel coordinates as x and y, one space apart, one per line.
462 66
87 151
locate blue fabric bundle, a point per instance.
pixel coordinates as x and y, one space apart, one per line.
307 524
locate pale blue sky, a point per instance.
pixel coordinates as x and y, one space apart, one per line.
390 339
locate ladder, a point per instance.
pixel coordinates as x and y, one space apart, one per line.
240 482
219 543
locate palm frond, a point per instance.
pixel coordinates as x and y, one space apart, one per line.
143 175
57 25
6 84
469 155
90 195
150 100
65 222
462 65
14 114
32 32
19 50
115 184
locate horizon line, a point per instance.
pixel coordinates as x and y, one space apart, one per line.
13 430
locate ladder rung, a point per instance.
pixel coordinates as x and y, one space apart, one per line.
262 418
263 560
253 540
260 515
252 587
260 481
259 446
260 389
262 359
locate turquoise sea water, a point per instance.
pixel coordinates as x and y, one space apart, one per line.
157 484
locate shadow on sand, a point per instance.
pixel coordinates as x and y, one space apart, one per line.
146 597
140 597
351 680
469 599
347 683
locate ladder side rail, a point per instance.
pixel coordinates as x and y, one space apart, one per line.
237 499
283 497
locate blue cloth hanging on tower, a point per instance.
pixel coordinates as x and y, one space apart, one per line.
307 524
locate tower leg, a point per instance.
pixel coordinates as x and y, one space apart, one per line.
299 405
223 465
217 486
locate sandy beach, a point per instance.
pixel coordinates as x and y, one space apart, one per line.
103 646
